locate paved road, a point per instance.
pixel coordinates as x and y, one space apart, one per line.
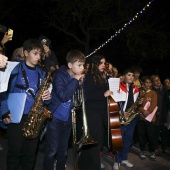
161 163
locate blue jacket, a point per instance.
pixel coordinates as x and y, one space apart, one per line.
64 87
11 85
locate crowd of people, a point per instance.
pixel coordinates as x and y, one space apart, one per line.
151 97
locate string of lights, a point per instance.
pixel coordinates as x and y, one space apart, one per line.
121 29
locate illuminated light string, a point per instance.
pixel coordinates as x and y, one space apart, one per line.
121 29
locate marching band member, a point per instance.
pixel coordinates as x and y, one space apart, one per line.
131 91
26 78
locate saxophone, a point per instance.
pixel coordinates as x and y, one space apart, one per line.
132 113
38 113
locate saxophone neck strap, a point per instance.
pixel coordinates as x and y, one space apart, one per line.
27 84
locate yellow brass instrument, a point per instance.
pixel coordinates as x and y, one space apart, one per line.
132 113
86 139
38 113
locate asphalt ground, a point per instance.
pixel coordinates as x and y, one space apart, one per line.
162 162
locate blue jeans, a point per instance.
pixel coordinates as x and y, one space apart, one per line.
57 137
127 137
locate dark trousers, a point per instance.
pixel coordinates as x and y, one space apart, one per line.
161 131
21 151
135 135
57 137
90 155
146 131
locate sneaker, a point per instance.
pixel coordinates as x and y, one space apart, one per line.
102 165
152 156
135 146
116 166
143 155
127 163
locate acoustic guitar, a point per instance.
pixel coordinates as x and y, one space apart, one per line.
114 126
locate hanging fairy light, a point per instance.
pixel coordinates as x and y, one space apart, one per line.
121 29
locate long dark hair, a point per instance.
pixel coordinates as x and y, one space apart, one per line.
99 77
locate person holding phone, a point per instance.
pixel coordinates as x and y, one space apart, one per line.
7 37
49 58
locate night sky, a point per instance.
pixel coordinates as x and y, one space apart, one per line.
26 18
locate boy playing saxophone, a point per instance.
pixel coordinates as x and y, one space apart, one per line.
26 78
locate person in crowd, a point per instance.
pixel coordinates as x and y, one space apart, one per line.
86 66
26 78
49 58
131 92
5 39
116 73
111 71
160 129
166 111
146 127
18 55
137 72
65 84
167 83
96 92
121 77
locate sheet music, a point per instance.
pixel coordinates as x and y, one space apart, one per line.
114 84
4 75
